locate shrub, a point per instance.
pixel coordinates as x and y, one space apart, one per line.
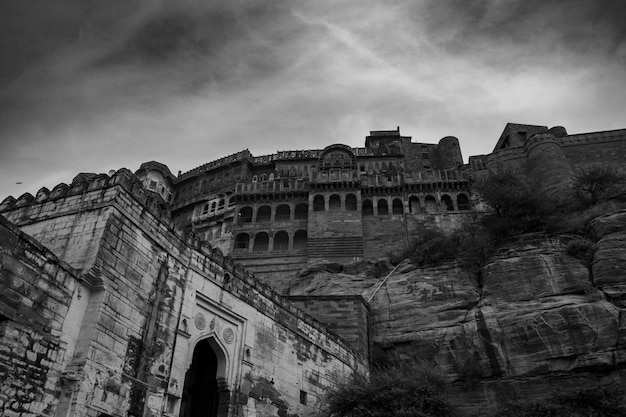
582 249
517 206
598 401
402 390
431 247
474 243
593 184
578 221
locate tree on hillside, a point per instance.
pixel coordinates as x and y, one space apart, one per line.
593 184
407 389
517 205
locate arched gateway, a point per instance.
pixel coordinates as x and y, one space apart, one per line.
205 393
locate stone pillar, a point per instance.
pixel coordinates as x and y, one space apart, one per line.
549 168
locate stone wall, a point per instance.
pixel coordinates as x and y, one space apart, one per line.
36 291
343 315
596 149
160 294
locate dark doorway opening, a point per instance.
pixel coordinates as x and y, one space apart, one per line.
201 394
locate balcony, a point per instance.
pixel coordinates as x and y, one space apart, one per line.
275 186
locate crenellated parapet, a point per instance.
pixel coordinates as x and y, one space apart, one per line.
149 213
86 183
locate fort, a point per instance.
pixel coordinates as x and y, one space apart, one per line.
148 293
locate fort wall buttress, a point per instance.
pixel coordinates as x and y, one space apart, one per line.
383 235
548 167
344 315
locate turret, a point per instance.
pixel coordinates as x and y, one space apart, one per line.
549 168
450 153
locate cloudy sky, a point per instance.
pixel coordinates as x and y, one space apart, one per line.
95 85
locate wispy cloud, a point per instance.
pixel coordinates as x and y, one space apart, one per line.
93 86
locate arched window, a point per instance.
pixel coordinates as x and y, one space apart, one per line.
334 203
414 204
213 206
263 178
462 202
283 213
261 242
319 203
396 207
351 202
242 242
447 202
299 240
264 214
245 214
254 178
383 207
368 208
302 211
281 241
431 204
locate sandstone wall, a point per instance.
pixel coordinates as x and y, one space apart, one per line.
159 294
596 149
345 316
383 234
36 291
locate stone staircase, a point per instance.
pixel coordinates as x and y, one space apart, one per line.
335 247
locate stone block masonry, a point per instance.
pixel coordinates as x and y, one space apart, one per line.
146 302
35 296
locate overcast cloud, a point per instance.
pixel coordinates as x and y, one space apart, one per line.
95 85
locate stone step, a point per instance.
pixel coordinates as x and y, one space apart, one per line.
339 247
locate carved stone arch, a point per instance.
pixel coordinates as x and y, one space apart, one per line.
219 348
337 156
206 390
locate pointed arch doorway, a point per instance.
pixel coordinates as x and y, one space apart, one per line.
205 393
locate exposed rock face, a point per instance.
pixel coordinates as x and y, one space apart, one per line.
534 320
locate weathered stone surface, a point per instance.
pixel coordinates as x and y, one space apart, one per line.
609 262
534 314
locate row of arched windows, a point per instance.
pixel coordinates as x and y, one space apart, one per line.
217 205
430 205
282 213
334 202
263 243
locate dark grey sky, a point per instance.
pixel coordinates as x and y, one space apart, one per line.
95 85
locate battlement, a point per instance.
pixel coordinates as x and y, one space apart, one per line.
125 192
239 156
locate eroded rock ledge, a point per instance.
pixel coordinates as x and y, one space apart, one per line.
540 320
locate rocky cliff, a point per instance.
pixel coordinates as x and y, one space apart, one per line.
533 320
